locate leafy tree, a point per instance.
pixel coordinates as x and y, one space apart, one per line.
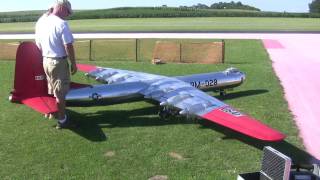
200 6
314 6
232 5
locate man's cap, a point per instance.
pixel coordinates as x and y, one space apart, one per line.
65 3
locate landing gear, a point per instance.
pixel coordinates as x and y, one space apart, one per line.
222 92
10 97
165 112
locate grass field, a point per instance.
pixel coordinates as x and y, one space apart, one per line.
180 24
129 141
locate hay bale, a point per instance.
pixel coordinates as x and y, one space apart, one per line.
207 53
203 52
166 51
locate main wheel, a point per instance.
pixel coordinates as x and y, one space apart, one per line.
222 92
164 113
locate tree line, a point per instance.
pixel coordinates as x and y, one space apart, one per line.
225 5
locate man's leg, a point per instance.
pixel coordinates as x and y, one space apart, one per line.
61 115
62 88
46 63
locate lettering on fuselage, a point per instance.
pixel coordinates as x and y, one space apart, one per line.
206 83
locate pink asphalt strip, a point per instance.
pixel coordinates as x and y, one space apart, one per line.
296 61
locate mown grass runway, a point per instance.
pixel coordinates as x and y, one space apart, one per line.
129 141
179 24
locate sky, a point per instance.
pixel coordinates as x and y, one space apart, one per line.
264 5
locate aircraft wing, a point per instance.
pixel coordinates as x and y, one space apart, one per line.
115 76
191 101
172 92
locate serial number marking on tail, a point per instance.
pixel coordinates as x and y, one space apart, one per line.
39 78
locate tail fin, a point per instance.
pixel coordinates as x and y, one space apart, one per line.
29 80
30 84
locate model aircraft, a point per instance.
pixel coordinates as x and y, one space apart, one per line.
180 95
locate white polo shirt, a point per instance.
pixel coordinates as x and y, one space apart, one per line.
38 28
51 34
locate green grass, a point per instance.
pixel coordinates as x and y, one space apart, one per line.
180 24
129 141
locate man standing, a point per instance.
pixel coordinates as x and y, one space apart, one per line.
40 20
55 40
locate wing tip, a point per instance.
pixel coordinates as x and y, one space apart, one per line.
245 125
276 137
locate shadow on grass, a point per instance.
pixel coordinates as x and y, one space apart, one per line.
103 102
298 156
238 94
90 124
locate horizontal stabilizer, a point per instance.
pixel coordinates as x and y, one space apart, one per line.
74 85
228 117
86 67
44 104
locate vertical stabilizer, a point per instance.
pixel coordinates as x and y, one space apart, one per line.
30 84
29 80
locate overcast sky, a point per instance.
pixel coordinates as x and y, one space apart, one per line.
264 5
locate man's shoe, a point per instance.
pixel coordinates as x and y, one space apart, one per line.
67 124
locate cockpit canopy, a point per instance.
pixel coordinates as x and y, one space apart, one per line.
232 70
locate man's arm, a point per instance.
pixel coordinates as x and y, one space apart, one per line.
70 52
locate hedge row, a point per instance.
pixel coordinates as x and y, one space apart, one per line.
159 12
20 16
153 12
